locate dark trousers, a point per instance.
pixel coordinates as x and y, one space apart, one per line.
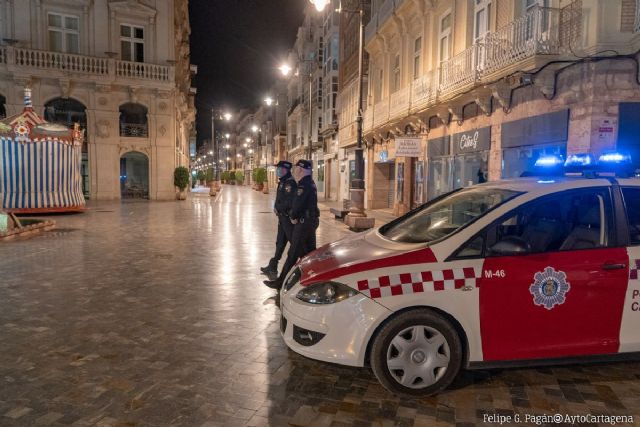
303 241
285 228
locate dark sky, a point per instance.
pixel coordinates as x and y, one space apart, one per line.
237 46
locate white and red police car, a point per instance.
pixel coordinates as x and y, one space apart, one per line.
532 270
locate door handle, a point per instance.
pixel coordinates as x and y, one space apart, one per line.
612 266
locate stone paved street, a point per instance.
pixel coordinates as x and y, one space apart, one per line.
153 314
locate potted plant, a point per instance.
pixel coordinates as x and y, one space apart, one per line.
232 177
208 176
200 176
224 177
239 177
260 178
181 181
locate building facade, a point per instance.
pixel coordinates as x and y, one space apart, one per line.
304 116
118 67
343 167
487 86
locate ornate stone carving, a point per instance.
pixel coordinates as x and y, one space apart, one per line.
65 88
103 128
162 130
162 106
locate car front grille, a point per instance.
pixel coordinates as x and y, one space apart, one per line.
306 337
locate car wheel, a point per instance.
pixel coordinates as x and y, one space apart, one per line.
417 353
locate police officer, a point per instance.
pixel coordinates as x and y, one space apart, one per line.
305 217
282 208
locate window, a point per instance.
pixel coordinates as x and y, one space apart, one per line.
632 202
63 33
133 120
482 16
445 37
417 50
567 221
396 73
444 216
378 88
3 111
132 43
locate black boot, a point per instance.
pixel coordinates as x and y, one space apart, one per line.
271 268
274 284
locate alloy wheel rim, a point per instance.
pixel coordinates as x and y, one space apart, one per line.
418 356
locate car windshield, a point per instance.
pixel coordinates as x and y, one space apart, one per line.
446 215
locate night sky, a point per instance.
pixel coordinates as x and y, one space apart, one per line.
237 46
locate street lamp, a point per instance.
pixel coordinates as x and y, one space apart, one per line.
285 69
320 4
268 100
226 116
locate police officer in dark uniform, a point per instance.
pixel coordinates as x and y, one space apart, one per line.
305 217
282 208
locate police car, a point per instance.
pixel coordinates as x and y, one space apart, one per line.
537 270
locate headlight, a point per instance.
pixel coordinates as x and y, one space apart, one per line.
326 293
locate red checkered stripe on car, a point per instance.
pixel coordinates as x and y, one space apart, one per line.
418 282
634 269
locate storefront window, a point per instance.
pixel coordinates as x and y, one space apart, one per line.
400 182
470 169
418 198
320 176
519 161
352 172
439 181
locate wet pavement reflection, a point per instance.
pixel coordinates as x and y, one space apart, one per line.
141 314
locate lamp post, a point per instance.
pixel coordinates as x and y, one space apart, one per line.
357 216
226 116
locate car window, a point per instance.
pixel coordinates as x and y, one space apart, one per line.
444 216
572 220
632 203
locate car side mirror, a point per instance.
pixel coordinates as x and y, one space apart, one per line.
510 245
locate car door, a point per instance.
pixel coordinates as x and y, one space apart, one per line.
553 282
630 327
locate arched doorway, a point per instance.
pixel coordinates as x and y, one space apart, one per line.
3 111
134 176
68 111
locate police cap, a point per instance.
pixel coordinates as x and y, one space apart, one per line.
304 164
284 164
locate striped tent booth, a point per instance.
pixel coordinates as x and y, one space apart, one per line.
39 164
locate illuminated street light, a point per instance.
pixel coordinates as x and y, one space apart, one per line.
285 69
227 116
227 136
320 4
254 128
210 152
244 145
268 100
251 151
228 158
227 146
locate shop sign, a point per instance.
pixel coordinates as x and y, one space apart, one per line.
471 141
408 147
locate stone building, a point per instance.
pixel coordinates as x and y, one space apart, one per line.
485 87
118 67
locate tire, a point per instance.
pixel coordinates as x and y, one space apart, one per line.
417 353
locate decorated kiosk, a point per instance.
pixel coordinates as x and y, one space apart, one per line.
39 164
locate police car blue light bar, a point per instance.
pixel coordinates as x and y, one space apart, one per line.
549 162
615 158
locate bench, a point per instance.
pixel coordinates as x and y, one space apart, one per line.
341 213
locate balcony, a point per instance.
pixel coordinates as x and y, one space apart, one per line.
54 64
399 103
423 91
134 130
381 113
498 53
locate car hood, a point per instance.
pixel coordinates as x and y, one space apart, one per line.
357 253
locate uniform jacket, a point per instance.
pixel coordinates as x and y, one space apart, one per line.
305 203
285 195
